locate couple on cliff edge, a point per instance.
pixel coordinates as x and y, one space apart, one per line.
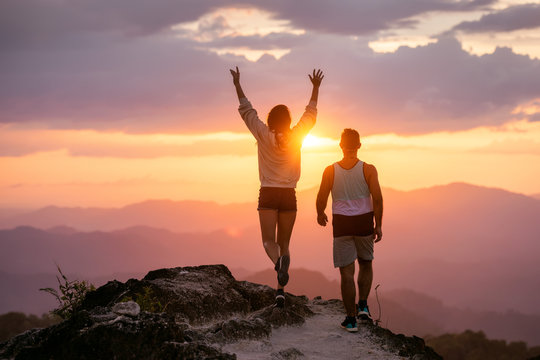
357 204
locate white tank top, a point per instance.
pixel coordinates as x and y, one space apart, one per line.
350 191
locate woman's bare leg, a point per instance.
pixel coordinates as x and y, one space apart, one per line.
285 224
269 220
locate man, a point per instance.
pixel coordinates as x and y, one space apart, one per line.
356 202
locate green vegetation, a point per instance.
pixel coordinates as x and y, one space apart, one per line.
14 323
146 300
471 345
70 296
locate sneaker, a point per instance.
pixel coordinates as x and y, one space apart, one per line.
363 314
282 268
349 324
280 300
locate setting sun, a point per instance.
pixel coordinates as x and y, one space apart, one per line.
312 141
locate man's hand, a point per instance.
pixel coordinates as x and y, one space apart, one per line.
322 219
316 79
378 234
236 76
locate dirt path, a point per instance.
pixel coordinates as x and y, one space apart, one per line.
321 337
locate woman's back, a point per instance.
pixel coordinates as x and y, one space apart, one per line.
279 154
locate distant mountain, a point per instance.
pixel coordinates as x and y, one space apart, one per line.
438 222
471 246
27 250
178 216
508 325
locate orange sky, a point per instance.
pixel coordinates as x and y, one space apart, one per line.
106 111
90 168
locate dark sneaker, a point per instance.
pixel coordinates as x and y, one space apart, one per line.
280 299
282 268
349 324
363 314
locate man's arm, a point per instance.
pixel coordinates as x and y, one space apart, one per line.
322 197
236 82
376 194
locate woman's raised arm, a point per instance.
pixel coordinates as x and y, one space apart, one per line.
316 80
236 82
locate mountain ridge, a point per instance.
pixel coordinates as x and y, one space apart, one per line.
103 217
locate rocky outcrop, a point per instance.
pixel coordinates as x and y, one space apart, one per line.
199 308
179 313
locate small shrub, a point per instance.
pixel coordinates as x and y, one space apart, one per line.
147 301
70 294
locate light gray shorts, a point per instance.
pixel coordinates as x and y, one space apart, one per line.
348 248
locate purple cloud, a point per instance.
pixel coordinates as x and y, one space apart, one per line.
40 23
37 23
161 84
260 42
104 78
519 17
361 17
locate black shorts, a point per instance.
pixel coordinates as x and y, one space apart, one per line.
356 225
276 198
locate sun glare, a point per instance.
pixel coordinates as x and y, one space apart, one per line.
312 141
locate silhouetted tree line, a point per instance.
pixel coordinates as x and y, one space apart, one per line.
14 323
471 345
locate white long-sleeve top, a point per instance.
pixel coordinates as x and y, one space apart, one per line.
279 166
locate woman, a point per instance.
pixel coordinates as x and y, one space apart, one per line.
279 170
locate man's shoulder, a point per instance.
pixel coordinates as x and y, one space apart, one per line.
369 167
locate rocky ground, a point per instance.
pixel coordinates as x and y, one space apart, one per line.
204 313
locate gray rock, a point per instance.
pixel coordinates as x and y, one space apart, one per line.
288 354
129 308
201 307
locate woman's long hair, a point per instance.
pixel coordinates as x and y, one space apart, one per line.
279 122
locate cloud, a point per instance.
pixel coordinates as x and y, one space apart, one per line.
519 17
38 23
259 42
434 87
362 17
118 73
42 23
164 84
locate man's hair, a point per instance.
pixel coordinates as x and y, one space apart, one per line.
350 139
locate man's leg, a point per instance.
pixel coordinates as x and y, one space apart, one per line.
268 220
365 278
348 291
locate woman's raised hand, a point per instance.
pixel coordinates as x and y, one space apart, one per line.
315 79
236 75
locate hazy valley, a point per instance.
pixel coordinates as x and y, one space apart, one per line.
464 254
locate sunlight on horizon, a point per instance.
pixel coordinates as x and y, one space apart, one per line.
312 141
89 168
